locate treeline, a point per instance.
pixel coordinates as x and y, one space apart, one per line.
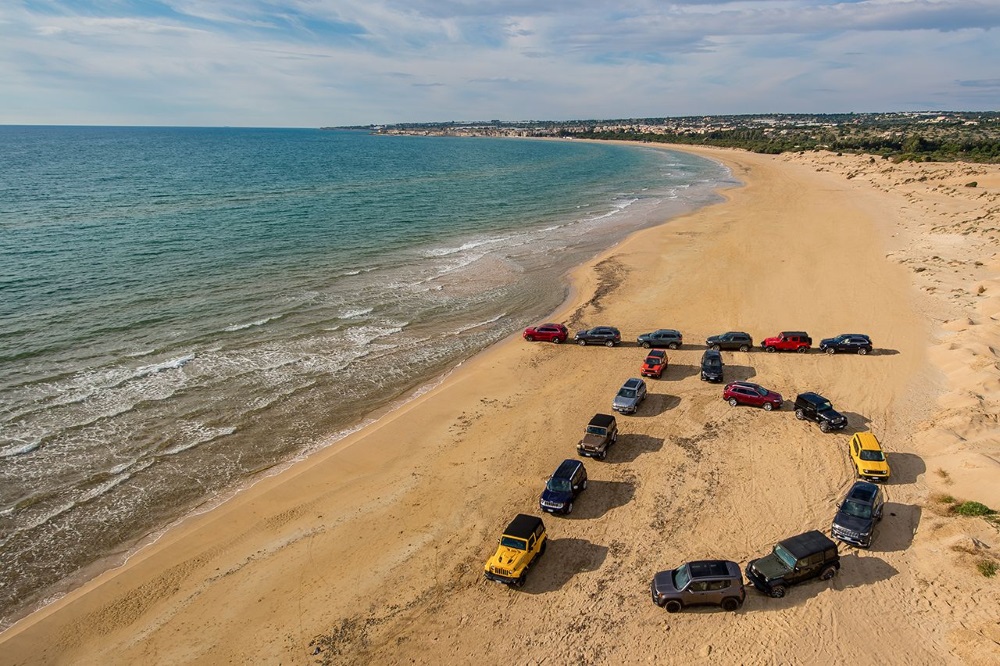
912 144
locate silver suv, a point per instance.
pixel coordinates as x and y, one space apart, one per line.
706 582
630 396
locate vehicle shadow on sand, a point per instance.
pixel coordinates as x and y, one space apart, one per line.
906 467
678 371
657 403
896 529
631 446
883 352
601 497
737 373
563 559
854 571
855 423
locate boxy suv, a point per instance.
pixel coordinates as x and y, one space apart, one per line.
630 396
568 481
861 509
731 340
794 560
868 458
601 433
522 543
797 341
814 407
703 583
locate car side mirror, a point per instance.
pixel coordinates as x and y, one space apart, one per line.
798 568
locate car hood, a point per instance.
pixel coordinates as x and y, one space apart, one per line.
592 441
770 567
827 341
625 402
831 415
771 341
505 557
713 338
663 582
853 523
874 466
555 496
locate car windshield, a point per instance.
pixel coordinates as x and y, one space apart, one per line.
712 363
597 430
559 485
511 542
824 406
682 577
787 558
653 360
626 393
872 455
856 509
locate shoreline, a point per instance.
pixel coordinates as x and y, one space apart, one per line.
273 525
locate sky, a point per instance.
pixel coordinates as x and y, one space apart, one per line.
312 63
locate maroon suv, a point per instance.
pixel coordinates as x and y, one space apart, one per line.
546 333
748 393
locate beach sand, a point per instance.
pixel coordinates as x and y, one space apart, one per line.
372 551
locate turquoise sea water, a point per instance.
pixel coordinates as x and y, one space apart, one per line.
182 309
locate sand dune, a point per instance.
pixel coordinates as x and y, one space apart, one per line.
373 551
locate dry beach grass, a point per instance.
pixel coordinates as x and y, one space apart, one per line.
372 551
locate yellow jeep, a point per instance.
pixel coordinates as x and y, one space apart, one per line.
868 457
522 542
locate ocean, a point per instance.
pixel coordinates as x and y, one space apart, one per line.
185 309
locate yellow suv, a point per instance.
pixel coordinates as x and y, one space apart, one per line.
522 542
868 457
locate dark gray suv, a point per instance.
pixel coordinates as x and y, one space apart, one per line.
858 513
706 582
794 560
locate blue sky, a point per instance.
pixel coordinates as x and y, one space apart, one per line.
309 63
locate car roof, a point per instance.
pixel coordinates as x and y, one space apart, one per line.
711 353
706 568
632 382
567 468
665 331
658 353
602 420
810 396
863 491
523 526
549 323
745 384
867 440
803 333
807 543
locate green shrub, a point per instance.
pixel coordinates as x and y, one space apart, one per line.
973 509
987 567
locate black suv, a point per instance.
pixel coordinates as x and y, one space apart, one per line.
711 366
664 337
599 335
814 407
858 343
858 513
702 583
794 560
568 481
731 340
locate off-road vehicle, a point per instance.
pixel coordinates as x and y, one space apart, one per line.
568 481
796 341
711 366
522 543
599 335
748 393
859 512
706 582
664 337
601 433
629 396
794 560
859 343
730 340
547 333
868 458
654 364
814 407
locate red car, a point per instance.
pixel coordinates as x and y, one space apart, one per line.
797 341
748 393
546 333
655 364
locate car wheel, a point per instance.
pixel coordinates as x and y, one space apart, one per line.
744 348
569 508
828 573
672 345
646 345
831 350
768 406
730 604
800 415
520 581
716 347
862 351
769 350
802 350
673 606
556 341
825 427
529 338
733 402
601 456
545 544
778 591
609 343
582 343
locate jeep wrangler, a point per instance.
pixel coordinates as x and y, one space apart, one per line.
522 543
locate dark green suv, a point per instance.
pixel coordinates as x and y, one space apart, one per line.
794 560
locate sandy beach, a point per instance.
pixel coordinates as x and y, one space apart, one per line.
372 551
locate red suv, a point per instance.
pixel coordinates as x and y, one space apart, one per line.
797 341
546 333
655 364
748 393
